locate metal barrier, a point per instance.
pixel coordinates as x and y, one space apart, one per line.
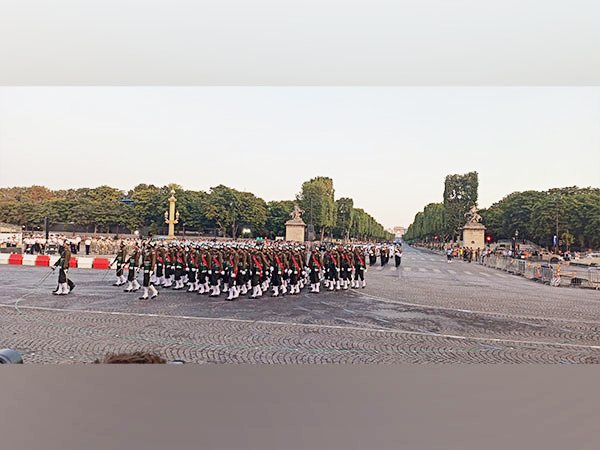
552 274
594 278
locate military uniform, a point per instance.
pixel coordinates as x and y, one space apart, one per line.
65 285
214 274
315 267
120 261
359 269
203 268
334 271
257 272
148 266
345 269
132 269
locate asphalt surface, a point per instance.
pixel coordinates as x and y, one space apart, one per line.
427 311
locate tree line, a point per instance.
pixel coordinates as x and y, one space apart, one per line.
571 213
227 210
443 221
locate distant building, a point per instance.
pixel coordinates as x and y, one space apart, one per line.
399 231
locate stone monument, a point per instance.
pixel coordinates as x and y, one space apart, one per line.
172 216
473 231
295 228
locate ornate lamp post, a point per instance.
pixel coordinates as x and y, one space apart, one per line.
172 216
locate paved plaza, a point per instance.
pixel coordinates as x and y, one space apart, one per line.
428 311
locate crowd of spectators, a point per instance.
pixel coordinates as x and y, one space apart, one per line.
80 245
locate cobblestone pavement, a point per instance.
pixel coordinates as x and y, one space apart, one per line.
428 311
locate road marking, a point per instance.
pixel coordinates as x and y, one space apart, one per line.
422 269
468 273
408 269
453 272
433 259
484 274
306 325
500 275
436 270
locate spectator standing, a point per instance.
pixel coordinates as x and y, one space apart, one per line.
88 244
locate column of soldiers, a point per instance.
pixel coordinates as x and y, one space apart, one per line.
238 269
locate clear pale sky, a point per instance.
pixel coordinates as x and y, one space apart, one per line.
389 148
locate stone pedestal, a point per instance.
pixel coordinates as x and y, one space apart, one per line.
474 236
294 230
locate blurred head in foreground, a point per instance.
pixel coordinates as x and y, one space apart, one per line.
131 358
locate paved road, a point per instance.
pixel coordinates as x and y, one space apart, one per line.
427 311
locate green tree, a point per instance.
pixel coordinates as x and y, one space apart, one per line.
460 194
344 216
278 213
317 200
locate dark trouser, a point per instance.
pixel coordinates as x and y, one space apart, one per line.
146 281
276 278
359 273
62 276
238 279
214 278
294 278
344 273
335 276
87 249
119 270
314 276
131 274
398 260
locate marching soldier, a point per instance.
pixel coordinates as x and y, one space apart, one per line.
132 269
65 285
315 267
120 261
345 269
148 266
257 272
215 273
192 269
160 264
295 273
334 271
234 276
203 268
359 269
